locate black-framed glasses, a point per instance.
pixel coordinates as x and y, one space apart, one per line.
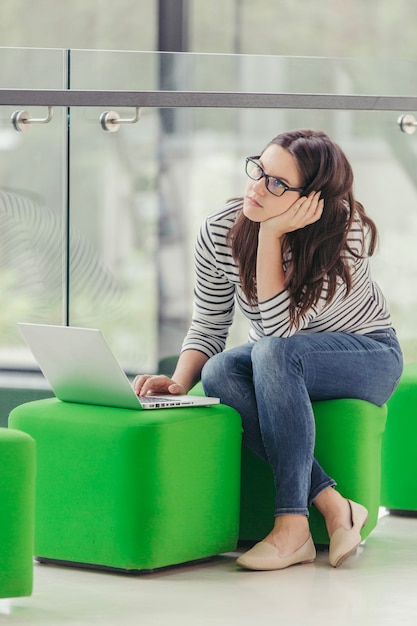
275 185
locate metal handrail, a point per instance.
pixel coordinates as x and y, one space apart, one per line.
197 99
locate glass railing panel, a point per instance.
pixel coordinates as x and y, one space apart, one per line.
384 162
176 166
114 241
32 68
32 163
385 165
96 69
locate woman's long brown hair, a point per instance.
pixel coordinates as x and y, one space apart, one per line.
317 251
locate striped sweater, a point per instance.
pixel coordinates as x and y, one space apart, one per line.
217 289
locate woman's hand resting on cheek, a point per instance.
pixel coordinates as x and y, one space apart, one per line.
304 211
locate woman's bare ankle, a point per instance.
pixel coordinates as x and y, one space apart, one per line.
335 510
290 532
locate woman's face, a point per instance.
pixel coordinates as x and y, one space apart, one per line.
259 204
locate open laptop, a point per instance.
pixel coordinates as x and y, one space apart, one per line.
80 367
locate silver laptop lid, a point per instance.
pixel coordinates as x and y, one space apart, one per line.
79 365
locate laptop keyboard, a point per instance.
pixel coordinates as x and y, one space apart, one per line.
152 399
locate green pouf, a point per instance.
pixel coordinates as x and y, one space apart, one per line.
133 490
399 457
348 446
17 493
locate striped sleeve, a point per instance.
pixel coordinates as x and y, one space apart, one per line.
214 291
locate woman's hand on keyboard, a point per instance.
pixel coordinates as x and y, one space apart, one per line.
145 384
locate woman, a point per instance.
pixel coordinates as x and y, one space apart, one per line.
294 254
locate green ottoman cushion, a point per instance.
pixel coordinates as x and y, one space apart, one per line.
348 446
17 493
133 490
399 457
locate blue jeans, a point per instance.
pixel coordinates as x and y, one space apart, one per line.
272 383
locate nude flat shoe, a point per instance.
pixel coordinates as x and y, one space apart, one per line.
265 556
344 542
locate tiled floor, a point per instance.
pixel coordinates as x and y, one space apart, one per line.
377 586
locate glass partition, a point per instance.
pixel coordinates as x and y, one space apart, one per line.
114 239
153 182
137 196
32 166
